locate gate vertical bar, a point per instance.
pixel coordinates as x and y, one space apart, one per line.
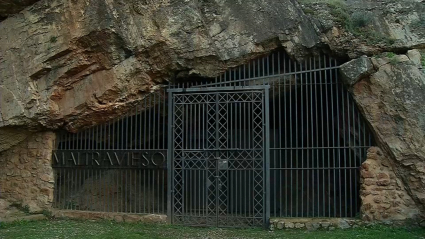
216 177
170 158
266 166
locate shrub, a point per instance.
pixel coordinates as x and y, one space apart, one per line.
360 19
359 23
422 58
339 10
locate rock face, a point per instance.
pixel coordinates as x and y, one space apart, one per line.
10 137
96 58
357 69
391 100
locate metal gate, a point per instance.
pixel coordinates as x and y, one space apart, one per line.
218 156
210 167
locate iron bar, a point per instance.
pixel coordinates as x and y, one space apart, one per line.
254 78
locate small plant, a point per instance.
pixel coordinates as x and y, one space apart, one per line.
25 209
393 58
423 59
390 54
47 213
53 39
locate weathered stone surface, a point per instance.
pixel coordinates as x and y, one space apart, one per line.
289 225
23 170
312 224
355 70
23 217
280 225
325 224
86 69
299 225
415 56
391 100
4 205
10 137
383 201
343 224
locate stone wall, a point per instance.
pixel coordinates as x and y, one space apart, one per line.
383 195
26 175
312 224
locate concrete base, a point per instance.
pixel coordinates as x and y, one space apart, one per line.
119 217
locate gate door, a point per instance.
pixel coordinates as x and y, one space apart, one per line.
218 158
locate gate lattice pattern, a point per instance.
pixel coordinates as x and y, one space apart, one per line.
210 160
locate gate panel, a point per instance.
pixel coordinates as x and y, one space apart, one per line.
115 167
218 157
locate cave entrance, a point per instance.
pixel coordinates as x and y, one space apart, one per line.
188 150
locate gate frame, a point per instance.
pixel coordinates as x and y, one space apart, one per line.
266 152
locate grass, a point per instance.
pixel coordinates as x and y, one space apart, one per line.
107 229
392 57
53 39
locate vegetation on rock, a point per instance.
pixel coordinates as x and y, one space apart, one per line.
359 23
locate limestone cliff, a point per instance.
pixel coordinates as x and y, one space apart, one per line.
71 64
